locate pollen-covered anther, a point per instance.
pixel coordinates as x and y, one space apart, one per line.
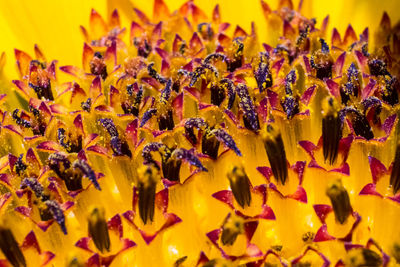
363 257
10 248
120 147
240 186
39 80
61 165
67 141
322 62
377 67
87 171
262 73
98 66
233 227
19 120
340 201
148 177
395 175
331 130
57 213
359 122
250 117
275 149
98 230
87 105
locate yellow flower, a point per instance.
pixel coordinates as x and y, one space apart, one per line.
259 133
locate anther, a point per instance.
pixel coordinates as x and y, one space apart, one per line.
250 118
19 120
331 130
322 62
57 213
86 106
389 92
238 58
87 171
147 180
360 122
262 73
98 66
10 248
275 149
340 201
192 123
377 67
34 185
154 74
98 230
240 186
228 85
233 227
20 166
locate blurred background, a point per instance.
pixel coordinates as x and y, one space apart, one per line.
54 25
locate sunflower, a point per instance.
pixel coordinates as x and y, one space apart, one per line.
194 134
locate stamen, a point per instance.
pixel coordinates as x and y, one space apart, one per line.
210 145
231 229
86 106
205 34
87 171
154 74
119 147
229 87
352 86
376 104
395 175
62 167
98 230
147 116
20 121
34 185
240 186
166 121
201 70
71 146
237 61
166 92
340 201
360 123
20 166
57 213
143 48
217 95
225 138
291 106
275 149
148 178
10 248
322 61
263 74
377 67
152 147
191 123
98 66
331 130
390 91
250 118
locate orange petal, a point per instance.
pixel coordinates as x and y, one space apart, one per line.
141 16
97 25
160 10
385 21
285 3
336 39
216 16
350 35
239 32
266 9
115 21
39 54
87 56
23 61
